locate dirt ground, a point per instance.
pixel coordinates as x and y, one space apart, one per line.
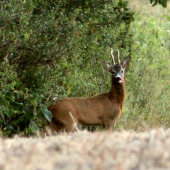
87 151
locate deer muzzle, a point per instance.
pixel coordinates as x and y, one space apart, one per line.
118 79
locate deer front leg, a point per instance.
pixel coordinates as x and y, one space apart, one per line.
110 122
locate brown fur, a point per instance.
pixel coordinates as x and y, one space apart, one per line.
103 109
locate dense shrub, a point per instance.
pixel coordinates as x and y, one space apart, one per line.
46 46
50 50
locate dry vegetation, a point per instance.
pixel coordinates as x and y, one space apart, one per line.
85 150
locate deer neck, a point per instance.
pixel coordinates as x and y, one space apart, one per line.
117 91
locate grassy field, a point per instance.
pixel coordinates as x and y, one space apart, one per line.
88 151
146 107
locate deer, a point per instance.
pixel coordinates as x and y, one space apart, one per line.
103 109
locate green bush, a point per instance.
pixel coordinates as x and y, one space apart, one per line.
46 46
148 79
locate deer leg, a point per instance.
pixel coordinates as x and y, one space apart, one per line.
70 124
54 127
61 127
69 127
109 124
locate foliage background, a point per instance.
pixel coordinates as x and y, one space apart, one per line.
148 80
51 50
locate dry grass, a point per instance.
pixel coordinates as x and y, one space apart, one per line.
85 150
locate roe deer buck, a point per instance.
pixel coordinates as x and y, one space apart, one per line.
103 109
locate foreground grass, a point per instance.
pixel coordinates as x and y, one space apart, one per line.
84 150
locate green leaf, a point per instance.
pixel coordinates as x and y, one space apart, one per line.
29 112
5 102
46 113
33 98
16 105
10 96
33 126
9 127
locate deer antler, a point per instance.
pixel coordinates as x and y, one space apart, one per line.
111 52
118 55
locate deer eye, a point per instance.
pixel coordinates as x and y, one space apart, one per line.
122 71
113 72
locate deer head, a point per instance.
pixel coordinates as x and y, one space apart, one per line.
117 70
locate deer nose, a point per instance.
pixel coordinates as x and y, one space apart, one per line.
118 78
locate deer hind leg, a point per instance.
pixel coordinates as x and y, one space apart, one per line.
69 124
70 127
55 126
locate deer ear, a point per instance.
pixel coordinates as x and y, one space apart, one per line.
125 62
107 67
